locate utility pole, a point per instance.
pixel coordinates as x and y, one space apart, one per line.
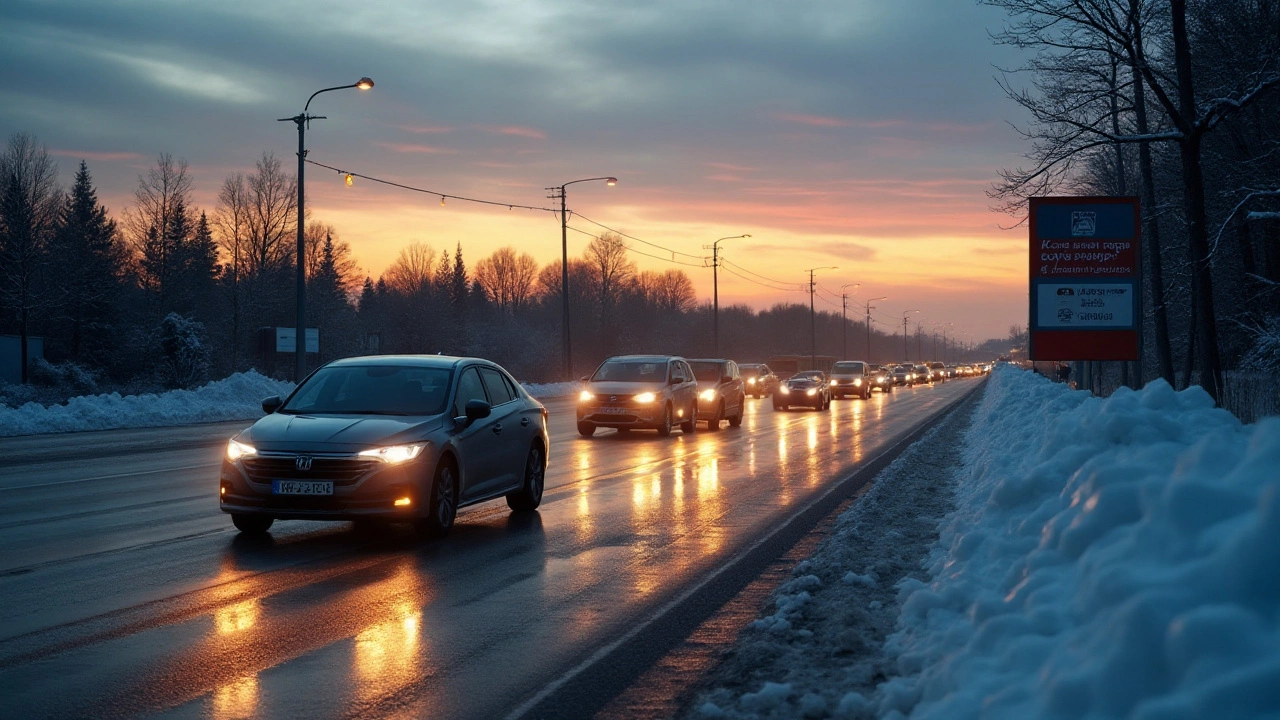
813 325
870 307
919 341
715 291
905 355
844 319
558 193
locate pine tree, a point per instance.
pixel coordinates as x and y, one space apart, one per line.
458 286
88 260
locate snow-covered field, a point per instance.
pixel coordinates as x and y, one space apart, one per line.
238 397
1105 558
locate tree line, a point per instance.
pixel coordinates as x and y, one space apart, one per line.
171 294
1176 103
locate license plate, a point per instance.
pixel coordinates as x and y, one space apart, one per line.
299 487
614 410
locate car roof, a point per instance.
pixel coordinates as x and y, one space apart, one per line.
644 358
436 361
708 360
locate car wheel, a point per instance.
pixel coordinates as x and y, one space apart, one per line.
779 406
252 524
664 430
528 497
736 419
442 506
586 429
690 425
713 423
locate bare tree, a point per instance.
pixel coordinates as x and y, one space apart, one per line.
413 271
508 278
344 266
670 291
272 196
29 202
163 192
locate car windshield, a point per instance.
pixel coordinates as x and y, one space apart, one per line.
848 367
631 371
372 390
707 371
809 376
749 370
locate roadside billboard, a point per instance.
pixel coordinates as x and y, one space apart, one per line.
1085 264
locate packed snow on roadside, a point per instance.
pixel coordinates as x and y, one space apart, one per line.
238 397
1106 558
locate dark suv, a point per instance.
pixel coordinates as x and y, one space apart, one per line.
758 379
720 393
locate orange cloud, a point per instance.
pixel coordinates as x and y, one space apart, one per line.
516 131
815 120
425 129
416 148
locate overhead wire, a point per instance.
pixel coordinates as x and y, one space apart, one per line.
796 286
638 252
442 195
639 240
737 274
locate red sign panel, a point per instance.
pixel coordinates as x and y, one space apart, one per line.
1085 271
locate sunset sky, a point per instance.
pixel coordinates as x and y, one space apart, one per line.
855 133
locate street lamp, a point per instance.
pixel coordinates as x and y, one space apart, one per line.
905 355
844 318
715 291
557 192
303 120
869 309
813 328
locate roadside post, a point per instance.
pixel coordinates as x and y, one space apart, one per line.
1085 279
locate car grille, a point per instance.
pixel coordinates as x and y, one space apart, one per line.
342 471
608 399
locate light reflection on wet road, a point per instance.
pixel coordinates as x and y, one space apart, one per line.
129 593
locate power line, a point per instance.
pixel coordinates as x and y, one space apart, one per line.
733 272
639 252
797 286
632 237
441 195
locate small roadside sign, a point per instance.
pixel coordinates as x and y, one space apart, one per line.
1085 273
287 340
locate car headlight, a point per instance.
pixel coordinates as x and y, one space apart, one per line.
646 398
880 378
395 454
586 395
237 450
751 381
811 391
834 382
856 381
707 394
785 390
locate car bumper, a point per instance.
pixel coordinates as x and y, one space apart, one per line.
647 417
369 496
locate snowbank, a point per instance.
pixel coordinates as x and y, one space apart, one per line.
1114 558
237 397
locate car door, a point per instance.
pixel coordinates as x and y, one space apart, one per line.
689 390
735 391
475 442
511 439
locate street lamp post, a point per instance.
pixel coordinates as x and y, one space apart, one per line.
303 120
844 319
870 307
715 291
905 355
557 192
813 327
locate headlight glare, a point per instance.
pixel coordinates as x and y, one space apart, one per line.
857 382
646 398
585 396
707 394
785 390
811 391
237 450
394 454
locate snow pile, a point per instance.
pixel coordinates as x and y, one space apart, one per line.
551 390
237 397
1114 558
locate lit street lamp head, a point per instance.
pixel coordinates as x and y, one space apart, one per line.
611 181
364 83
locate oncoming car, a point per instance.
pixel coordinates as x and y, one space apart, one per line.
393 437
639 391
758 380
720 393
808 387
851 377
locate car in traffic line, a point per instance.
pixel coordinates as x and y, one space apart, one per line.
808 387
407 438
631 392
720 392
903 375
937 371
758 379
851 377
882 379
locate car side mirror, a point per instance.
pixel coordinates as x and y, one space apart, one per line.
271 404
477 410
725 379
585 378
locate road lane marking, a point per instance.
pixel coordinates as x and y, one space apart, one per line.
110 477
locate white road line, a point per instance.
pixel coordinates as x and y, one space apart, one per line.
109 477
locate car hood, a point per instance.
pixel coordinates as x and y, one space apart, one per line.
606 387
846 376
340 433
802 384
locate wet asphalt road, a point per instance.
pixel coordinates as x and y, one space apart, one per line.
125 592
